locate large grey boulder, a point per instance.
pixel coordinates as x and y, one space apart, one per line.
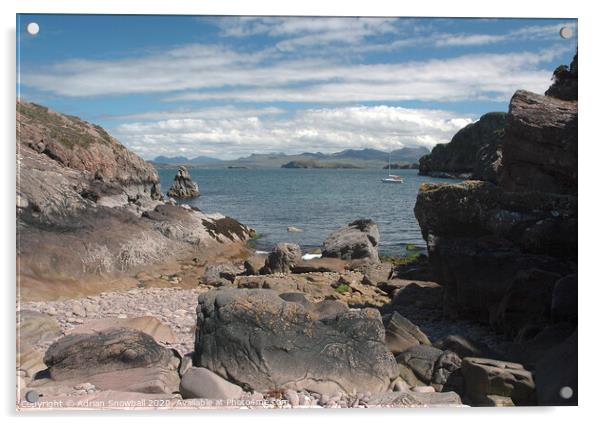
183 186
260 341
283 258
356 241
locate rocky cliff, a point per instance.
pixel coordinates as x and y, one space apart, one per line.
506 254
86 205
473 152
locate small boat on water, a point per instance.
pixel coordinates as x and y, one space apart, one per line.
392 178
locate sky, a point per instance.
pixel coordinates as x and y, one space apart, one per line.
229 86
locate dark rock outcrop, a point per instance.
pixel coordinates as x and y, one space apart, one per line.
258 340
183 186
474 152
356 241
565 82
540 145
507 254
480 237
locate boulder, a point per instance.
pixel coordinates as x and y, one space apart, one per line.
356 241
473 152
220 274
429 364
401 334
183 186
282 259
108 353
374 273
262 342
202 383
484 377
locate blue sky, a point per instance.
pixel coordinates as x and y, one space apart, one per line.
230 86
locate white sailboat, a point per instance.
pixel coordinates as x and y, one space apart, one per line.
392 178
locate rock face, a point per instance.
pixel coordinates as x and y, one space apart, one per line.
356 241
474 152
183 186
262 342
540 145
506 254
283 258
86 206
479 237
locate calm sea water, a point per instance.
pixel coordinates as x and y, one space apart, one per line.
316 200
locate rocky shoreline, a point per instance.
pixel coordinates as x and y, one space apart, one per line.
199 320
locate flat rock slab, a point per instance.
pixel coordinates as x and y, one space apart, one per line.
484 377
145 380
262 342
198 382
402 334
147 324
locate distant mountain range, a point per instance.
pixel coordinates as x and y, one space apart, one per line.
361 158
182 160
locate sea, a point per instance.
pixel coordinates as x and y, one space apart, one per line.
318 201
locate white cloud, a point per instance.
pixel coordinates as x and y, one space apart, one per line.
204 113
324 129
469 77
199 72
